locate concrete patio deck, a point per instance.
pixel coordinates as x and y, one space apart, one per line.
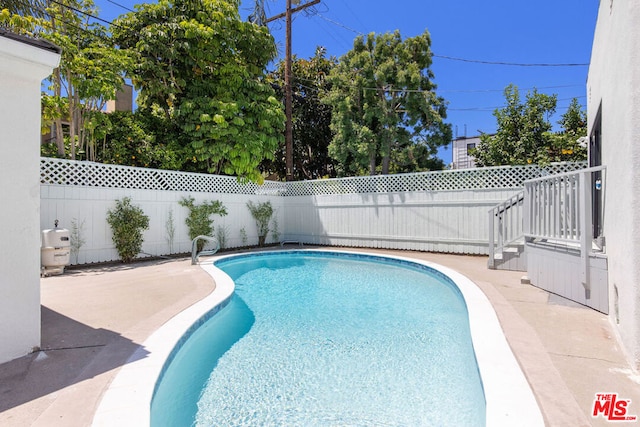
94 318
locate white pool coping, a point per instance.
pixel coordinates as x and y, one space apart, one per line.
509 398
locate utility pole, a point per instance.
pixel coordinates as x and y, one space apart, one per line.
288 97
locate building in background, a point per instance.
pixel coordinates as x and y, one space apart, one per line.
123 101
462 159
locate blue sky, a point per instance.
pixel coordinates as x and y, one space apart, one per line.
526 32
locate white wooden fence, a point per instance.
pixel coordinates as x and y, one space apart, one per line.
433 211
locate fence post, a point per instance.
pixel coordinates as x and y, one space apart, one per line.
526 211
585 229
491 262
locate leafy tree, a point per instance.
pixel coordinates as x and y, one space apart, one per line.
574 120
415 158
90 72
384 102
311 118
524 132
12 19
568 144
24 8
127 140
201 69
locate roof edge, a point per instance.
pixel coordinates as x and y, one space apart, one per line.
39 43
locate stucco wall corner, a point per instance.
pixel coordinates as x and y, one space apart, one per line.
23 65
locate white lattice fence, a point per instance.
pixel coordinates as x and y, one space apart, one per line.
434 211
502 177
90 174
66 172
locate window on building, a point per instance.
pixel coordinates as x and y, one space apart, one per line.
470 147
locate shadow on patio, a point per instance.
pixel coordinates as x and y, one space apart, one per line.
93 320
71 353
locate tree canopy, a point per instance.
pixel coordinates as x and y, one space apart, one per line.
34 8
201 69
91 69
386 115
524 132
311 117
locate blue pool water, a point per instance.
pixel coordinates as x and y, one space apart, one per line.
321 339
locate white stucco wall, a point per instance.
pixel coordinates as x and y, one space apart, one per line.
22 68
614 86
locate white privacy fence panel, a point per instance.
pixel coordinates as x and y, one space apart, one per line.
443 221
434 211
88 206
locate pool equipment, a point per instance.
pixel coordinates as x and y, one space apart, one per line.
55 252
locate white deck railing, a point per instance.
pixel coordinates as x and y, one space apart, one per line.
560 207
505 225
560 210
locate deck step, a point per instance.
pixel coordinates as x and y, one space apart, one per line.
510 258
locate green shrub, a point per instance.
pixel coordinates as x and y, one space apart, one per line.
127 223
199 219
262 213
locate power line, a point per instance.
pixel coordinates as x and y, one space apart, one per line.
337 36
289 11
80 28
118 4
503 106
475 61
346 4
338 24
479 109
502 90
513 64
87 14
391 89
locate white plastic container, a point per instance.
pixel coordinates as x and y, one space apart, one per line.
55 252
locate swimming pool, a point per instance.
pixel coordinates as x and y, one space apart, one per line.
507 393
319 339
